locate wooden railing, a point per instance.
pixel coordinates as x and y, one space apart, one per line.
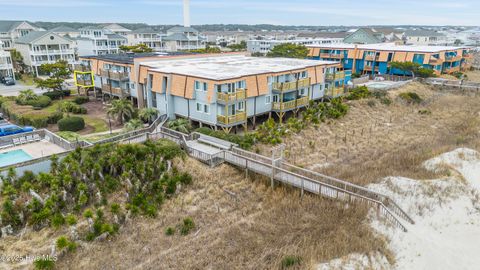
118 76
370 57
82 68
332 55
435 61
289 86
335 76
232 119
453 58
289 105
335 91
240 94
106 88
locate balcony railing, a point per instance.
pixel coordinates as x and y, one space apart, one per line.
453 58
435 61
370 57
340 75
66 51
6 66
290 105
332 55
334 92
289 86
240 94
117 91
82 68
232 119
118 76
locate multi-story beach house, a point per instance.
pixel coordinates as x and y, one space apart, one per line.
6 66
95 40
12 30
41 47
220 91
265 46
147 36
376 58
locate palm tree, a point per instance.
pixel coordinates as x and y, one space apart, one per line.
133 124
67 107
181 125
122 109
26 95
147 114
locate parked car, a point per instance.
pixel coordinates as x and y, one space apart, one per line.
2 79
9 81
13 129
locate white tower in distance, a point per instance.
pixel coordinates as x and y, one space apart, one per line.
186 13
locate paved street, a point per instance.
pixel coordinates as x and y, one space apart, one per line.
14 90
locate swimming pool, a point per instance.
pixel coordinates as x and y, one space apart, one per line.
12 157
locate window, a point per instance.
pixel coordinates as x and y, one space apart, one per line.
203 108
199 107
199 86
241 106
268 99
304 74
275 98
206 108
302 91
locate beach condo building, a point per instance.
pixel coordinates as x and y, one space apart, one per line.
6 65
375 59
221 91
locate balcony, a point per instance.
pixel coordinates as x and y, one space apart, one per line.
116 91
82 68
453 58
240 94
468 55
290 105
291 86
334 92
85 83
113 75
332 55
370 57
229 120
452 69
435 61
43 52
6 66
335 76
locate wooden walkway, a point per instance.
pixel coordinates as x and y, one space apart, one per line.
458 84
280 171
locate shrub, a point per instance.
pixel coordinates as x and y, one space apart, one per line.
115 208
187 226
72 123
46 263
358 93
71 219
54 95
290 260
371 103
411 98
169 231
57 221
88 213
425 112
81 100
245 142
40 102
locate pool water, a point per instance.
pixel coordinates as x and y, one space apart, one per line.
13 157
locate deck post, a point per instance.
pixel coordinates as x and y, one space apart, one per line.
303 187
273 170
246 168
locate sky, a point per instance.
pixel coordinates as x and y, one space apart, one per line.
280 12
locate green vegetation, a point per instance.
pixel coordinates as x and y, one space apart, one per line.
133 124
27 115
46 263
180 125
207 49
411 97
244 141
86 180
238 47
122 109
187 226
64 243
148 114
71 107
459 75
290 260
414 69
71 123
140 48
289 50
358 93
28 97
81 100
57 94
58 72
169 231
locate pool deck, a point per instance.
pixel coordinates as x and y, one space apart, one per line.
37 149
